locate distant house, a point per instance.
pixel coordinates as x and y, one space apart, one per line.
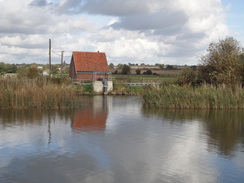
88 66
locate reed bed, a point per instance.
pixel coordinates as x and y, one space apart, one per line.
37 93
187 97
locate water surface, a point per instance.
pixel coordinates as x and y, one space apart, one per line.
115 139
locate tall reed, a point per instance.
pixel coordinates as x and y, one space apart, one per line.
37 93
187 97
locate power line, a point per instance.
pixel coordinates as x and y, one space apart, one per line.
56 53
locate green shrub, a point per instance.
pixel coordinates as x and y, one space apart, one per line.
88 88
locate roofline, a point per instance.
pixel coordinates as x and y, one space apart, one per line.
88 52
72 59
92 72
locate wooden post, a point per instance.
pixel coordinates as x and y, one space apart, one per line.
50 65
62 63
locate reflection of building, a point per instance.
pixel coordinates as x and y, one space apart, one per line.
93 117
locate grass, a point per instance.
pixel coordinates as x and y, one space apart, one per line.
121 88
60 93
37 93
187 97
142 78
120 80
87 89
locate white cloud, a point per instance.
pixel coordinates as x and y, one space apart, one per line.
184 159
140 31
25 19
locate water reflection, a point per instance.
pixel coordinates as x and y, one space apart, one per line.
92 116
114 139
25 116
224 128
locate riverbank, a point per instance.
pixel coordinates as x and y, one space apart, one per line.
187 97
55 93
38 93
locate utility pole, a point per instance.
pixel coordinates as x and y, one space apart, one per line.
62 63
50 65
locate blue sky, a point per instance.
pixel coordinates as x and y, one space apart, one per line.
133 31
235 17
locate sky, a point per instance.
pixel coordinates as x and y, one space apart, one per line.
133 31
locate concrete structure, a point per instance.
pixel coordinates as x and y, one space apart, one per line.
100 88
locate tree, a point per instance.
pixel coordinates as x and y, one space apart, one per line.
120 66
116 72
66 69
188 77
125 69
55 69
7 68
2 67
138 71
10 68
148 72
32 72
22 72
242 67
161 66
222 63
170 67
111 66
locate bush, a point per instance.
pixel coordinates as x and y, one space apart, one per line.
32 72
126 69
188 77
148 72
138 71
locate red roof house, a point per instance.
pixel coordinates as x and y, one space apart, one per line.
88 66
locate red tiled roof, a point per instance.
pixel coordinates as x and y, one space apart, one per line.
90 61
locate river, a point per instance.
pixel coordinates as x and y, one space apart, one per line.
114 139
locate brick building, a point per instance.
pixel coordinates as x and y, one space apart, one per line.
88 66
